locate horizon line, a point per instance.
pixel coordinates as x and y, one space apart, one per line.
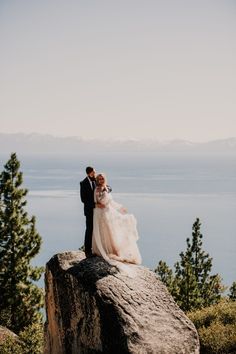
118 139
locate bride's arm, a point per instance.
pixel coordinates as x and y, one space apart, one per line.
95 196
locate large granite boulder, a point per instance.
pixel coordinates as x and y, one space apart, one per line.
92 307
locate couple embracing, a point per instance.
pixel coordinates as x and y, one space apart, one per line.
111 232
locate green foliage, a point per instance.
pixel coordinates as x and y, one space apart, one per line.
166 275
30 341
20 299
223 312
11 346
232 291
82 248
191 284
32 337
216 326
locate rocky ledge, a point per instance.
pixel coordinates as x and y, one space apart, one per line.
94 308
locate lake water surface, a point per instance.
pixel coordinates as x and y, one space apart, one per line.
165 192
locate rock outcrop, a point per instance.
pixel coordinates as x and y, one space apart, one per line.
94 308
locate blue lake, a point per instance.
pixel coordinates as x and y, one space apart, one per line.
165 192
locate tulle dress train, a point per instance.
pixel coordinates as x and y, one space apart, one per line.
114 231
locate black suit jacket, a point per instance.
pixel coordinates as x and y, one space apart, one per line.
87 196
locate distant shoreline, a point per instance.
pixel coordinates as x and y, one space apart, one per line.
40 144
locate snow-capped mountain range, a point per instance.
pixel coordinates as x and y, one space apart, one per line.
47 144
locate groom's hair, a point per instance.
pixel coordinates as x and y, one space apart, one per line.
89 169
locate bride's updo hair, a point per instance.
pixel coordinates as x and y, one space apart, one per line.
101 175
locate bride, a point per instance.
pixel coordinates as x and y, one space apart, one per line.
114 230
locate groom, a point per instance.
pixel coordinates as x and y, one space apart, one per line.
87 187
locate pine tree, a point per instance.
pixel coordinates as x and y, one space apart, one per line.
192 286
232 291
167 277
20 299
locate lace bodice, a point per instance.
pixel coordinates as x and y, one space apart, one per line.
101 196
106 199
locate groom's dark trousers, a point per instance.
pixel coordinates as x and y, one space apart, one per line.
87 197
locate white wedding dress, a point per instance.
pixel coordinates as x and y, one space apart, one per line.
114 232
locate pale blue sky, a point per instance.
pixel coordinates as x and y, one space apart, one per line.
119 69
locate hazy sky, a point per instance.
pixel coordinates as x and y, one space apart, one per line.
119 68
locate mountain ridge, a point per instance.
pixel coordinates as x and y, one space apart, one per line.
35 143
